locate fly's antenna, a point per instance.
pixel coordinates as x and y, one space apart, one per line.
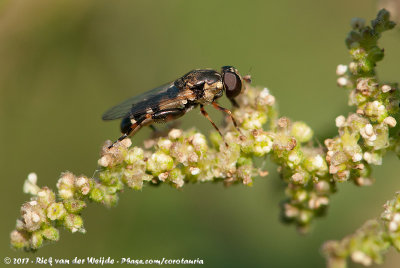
247 77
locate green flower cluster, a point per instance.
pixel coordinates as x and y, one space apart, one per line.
41 215
369 243
363 136
304 168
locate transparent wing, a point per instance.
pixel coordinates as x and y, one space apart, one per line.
152 99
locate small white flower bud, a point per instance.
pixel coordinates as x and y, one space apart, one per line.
66 194
340 121
81 181
164 144
333 169
199 142
368 157
361 257
265 98
330 153
341 69
163 176
32 177
369 130
342 81
291 211
35 217
386 88
175 133
30 186
373 158
194 171
316 202
357 157
322 186
363 181
393 226
390 121
297 177
396 217
264 92
368 133
126 142
353 66
104 161
362 85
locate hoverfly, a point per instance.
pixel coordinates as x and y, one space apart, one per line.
172 100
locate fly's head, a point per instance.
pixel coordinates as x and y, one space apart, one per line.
232 82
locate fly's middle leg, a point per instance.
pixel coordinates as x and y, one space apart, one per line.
228 112
203 111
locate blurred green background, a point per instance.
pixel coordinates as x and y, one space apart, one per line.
63 63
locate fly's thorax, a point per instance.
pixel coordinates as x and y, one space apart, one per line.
211 92
206 85
198 77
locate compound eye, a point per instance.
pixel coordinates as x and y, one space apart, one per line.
233 84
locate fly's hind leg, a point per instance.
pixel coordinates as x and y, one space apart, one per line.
128 126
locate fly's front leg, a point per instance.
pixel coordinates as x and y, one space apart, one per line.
216 106
203 111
